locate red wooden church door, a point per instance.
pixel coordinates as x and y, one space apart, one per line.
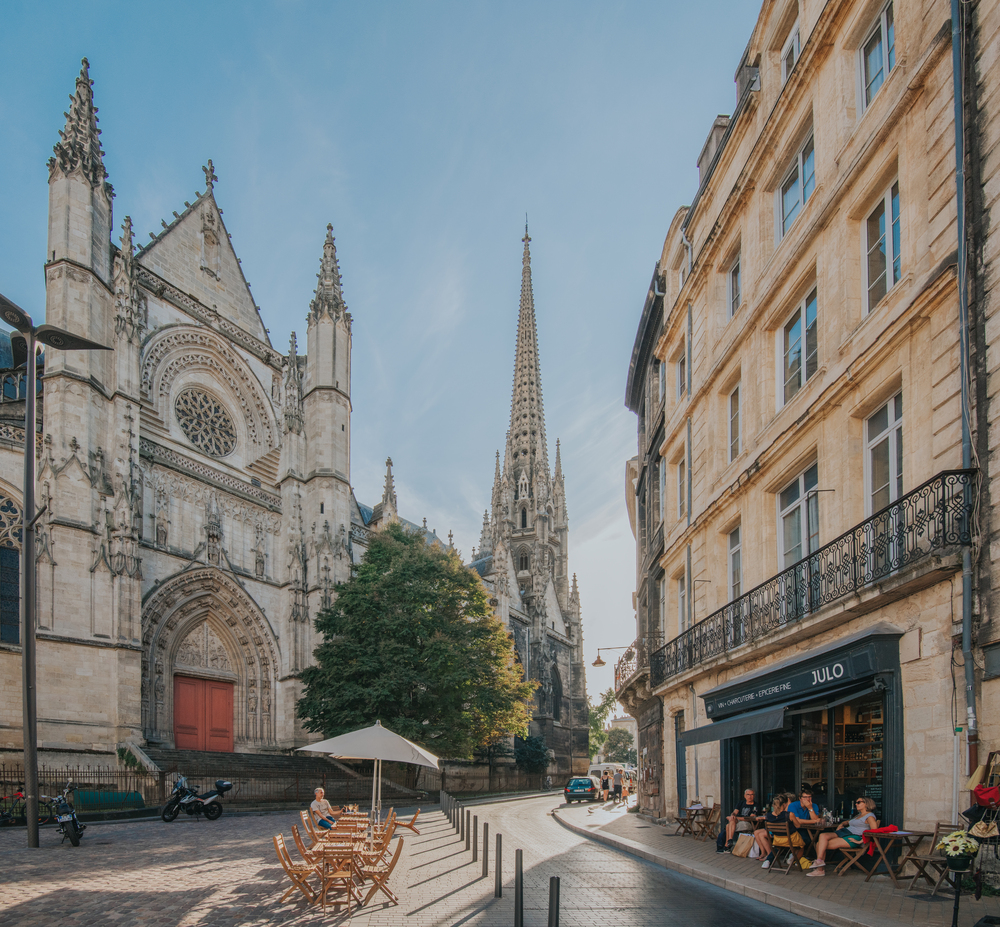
203 714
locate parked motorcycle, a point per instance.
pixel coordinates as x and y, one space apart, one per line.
69 824
183 798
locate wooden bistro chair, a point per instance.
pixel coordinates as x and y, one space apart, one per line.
685 822
935 861
378 874
780 836
307 853
298 873
409 825
705 828
853 856
337 873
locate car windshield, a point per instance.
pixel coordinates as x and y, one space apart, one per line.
579 783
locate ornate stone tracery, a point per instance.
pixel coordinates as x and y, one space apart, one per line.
205 421
10 523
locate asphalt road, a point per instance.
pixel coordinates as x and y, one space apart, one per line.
197 873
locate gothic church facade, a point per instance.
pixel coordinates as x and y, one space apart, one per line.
196 482
523 557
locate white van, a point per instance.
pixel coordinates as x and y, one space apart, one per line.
597 769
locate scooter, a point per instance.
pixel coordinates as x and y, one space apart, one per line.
183 798
69 824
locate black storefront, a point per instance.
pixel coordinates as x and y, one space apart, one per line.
831 718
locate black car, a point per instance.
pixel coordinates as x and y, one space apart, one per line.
582 788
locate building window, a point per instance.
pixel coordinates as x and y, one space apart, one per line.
734 289
799 348
524 563
661 368
681 374
878 54
734 424
798 517
524 518
797 186
681 488
735 564
790 53
885 455
884 266
10 595
662 473
682 614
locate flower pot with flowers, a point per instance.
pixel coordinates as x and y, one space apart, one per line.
960 849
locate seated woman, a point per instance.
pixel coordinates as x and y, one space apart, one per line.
325 816
847 837
778 815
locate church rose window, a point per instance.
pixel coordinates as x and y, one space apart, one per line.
206 422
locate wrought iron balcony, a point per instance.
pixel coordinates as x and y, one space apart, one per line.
931 518
634 659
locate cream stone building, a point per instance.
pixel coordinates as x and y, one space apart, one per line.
196 482
802 505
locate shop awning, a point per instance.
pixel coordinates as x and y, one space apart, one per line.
750 722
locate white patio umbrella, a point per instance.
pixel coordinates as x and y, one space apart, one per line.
378 744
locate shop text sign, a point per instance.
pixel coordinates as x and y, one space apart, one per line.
799 682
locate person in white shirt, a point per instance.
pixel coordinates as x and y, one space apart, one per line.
320 807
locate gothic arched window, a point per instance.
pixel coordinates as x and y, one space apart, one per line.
524 518
10 571
524 564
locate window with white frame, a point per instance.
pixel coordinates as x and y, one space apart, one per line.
798 349
681 488
734 424
734 290
790 53
884 434
682 601
662 616
882 240
735 564
798 517
681 366
662 467
797 186
878 55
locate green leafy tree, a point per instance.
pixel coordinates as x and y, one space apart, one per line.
619 746
598 716
531 754
411 641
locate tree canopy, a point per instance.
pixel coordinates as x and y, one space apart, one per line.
411 641
619 747
598 715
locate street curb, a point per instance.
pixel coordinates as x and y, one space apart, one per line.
794 902
498 799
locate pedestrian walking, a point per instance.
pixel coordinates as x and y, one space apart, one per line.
618 784
605 785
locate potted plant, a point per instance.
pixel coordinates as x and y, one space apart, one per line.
960 849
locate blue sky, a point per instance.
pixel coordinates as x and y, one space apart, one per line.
424 132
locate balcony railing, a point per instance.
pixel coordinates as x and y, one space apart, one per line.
935 516
635 658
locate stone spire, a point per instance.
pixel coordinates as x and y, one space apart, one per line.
211 179
79 146
389 493
526 441
329 298
294 419
128 322
486 536
558 471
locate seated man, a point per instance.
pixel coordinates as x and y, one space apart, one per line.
740 820
803 809
321 809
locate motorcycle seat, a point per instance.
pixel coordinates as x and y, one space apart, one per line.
208 794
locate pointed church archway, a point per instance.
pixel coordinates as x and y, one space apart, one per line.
201 627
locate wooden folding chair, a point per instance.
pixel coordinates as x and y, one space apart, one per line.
780 836
852 857
298 872
686 823
705 828
338 879
307 853
379 875
409 824
936 861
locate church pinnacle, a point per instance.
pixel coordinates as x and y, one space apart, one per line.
79 143
329 298
389 492
526 446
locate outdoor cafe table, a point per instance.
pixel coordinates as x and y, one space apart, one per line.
908 840
688 822
335 853
811 830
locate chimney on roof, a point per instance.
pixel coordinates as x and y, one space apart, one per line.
711 146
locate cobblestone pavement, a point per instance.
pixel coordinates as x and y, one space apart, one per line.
196 873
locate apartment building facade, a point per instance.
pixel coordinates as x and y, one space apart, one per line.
804 496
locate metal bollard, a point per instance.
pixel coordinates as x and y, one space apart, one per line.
498 890
461 823
475 837
468 831
486 849
518 889
554 901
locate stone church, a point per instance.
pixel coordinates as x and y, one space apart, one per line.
196 482
523 557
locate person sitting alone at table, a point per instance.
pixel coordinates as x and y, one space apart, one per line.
321 809
847 837
778 815
739 821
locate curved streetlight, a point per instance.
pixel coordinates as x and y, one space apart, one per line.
24 343
599 662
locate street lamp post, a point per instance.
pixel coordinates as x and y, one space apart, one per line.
54 337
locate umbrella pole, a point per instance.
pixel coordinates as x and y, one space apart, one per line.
378 818
374 780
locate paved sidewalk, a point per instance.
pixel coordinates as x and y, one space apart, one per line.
840 901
